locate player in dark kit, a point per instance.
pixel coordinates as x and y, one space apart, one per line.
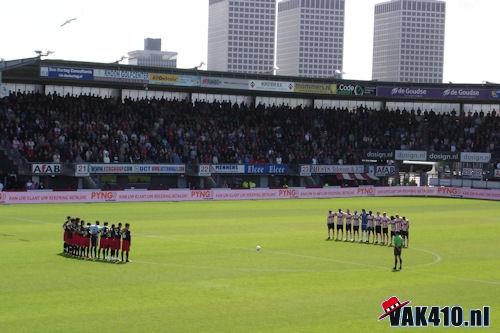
116 235
86 241
119 240
104 242
378 227
364 225
75 236
112 241
67 235
126 240
81 239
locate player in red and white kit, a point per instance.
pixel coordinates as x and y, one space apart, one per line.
66 234
126 240
405 226
340 223
370 227
348 226
355 224
330 225
104 242
385 228
395 227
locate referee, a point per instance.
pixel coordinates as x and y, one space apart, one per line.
398 245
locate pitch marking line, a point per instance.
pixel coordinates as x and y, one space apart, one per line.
438 258
31 220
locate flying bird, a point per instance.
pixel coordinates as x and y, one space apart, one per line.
68 21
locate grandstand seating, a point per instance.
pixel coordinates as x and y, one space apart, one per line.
52 128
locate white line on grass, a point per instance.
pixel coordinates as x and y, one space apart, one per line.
270 251
437 259
292 254
22 219
325 259
287 270
459 278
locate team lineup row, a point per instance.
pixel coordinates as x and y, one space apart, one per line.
82 240
375 227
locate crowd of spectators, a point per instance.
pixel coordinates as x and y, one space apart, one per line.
51 128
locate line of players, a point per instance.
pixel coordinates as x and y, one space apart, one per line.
372 226
81 240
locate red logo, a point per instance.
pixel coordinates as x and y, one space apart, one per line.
202 194
390 305
288 193
103 195
3 197
448 190
367 191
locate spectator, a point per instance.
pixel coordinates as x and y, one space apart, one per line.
92 129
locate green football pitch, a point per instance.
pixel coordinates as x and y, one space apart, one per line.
195 268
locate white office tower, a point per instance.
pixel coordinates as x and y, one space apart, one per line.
310 40
241 35
408 41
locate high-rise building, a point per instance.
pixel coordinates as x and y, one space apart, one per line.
241 35
152 44
310 40
408 41
152 55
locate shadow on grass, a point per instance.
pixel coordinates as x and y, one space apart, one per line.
101 261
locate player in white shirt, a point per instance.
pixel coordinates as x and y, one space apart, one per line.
385 228
330 225
395 227
370 227
348 226
340 223
355 219
405 226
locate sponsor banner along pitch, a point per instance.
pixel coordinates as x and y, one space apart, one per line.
253 194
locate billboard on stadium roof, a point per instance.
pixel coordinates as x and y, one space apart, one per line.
67 73
280 86
174 79
120 76
315 88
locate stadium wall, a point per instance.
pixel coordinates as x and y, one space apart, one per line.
254 194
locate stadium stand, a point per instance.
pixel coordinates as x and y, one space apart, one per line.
51 128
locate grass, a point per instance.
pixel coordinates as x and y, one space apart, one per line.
195 268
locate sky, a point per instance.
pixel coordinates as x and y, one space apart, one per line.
107 30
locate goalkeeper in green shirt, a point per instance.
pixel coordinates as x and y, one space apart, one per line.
398 245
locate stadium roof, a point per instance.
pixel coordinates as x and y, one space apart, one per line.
31 73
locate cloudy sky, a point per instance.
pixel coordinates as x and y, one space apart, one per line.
106 30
